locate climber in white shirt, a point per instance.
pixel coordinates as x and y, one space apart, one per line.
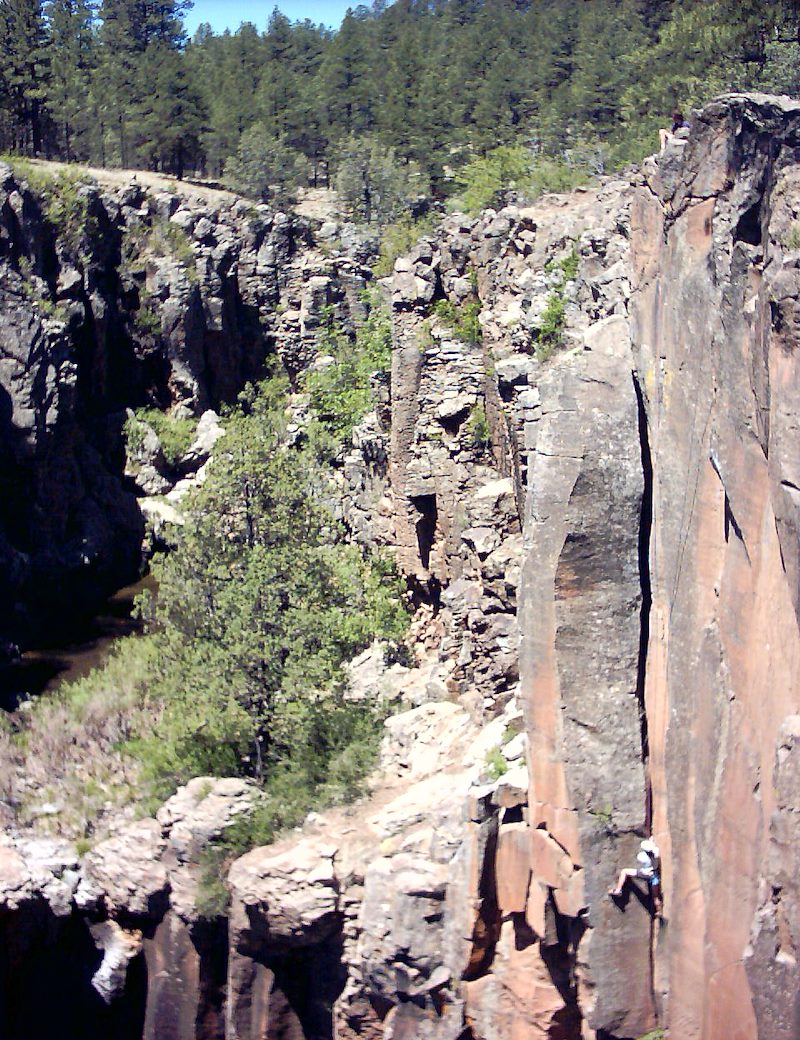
648 867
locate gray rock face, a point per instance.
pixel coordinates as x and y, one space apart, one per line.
168 302
582 601
603 546
124 927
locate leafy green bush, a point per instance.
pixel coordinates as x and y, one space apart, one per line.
480 183
175 432
291 792
400 238
549 334
478 431
341 393
463 319
550 331
496 764
147 320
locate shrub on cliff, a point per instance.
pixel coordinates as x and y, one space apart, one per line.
374 185
341 393
482 181
175 433
399 238
258 609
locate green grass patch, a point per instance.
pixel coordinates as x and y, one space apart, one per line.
793 236
461 319
496 764
175 433
603 814
69 744
161 238
167 239
425 340
479 433
513 729
64 201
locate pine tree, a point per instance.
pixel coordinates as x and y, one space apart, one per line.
23 72
346 81
118 81
129 28
72 63
704 48
169 118
608 31
227 71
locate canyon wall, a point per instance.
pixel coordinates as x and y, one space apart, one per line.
600 533
715 310
115 298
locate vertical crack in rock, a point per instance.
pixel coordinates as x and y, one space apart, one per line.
645 529
560 959
425 526
645 532
489 920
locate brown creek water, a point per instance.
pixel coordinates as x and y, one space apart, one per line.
81 644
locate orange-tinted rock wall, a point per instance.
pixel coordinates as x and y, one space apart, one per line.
714 314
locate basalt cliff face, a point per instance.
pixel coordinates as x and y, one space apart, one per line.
113 299
602 540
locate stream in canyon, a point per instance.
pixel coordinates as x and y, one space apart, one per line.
73 649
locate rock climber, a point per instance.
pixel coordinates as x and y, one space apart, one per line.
678 123
648 867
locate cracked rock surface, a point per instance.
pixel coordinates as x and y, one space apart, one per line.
601 539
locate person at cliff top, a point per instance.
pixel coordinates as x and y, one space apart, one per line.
648 867
678 123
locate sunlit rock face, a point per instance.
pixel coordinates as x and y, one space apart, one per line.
715 310
602 543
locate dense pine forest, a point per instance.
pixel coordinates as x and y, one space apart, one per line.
424 85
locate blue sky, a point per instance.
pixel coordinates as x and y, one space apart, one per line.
229 14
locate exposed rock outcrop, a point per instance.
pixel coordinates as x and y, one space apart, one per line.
715 307
125 299
125 931
600 531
